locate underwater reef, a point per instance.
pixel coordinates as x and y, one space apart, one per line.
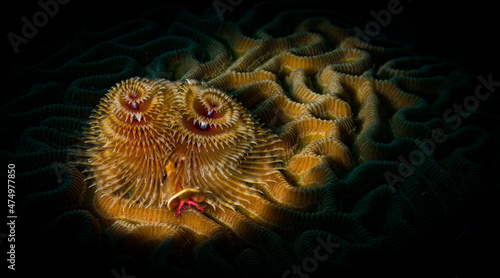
281 143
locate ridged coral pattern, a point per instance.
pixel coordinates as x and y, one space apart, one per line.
285 128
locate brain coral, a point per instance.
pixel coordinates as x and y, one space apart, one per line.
174 143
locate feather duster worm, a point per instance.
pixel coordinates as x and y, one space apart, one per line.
219 151
128 138
158 143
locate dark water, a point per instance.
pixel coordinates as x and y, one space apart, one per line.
465 34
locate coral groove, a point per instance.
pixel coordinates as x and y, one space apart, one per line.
193 145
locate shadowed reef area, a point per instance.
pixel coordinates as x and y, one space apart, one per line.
237 139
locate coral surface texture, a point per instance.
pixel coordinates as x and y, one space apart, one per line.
282 144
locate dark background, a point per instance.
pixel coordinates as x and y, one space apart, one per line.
465 31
